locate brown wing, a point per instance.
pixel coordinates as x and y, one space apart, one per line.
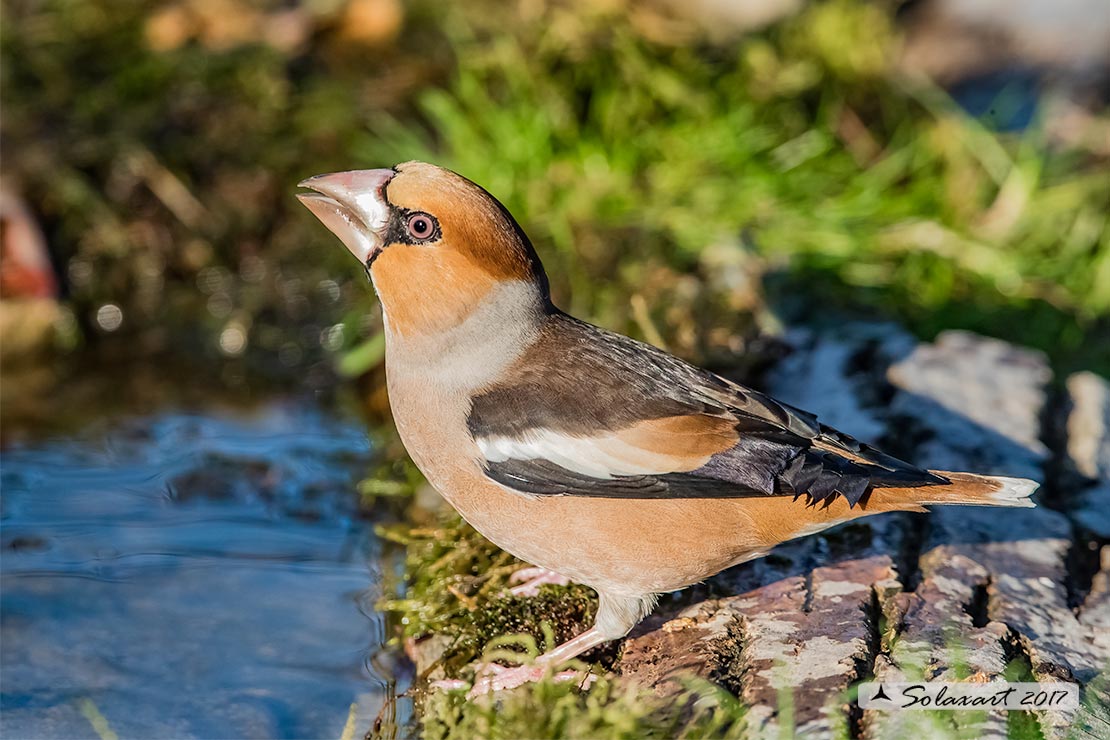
597 414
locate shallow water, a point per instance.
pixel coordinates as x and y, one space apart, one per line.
189 576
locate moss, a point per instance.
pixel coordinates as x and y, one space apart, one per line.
456 586
610 709
564 610
448 566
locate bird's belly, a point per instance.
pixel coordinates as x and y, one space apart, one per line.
620 546
633 546
624 546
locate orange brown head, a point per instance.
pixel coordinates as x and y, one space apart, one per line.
434 243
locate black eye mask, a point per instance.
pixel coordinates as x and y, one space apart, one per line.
398 231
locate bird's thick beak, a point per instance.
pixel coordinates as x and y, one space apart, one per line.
353 205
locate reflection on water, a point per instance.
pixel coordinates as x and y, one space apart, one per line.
188 575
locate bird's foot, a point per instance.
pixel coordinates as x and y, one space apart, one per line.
530 580
449 684
492 677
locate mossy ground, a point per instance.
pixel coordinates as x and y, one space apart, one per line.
610 709
455 587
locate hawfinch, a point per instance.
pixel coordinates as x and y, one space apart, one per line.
584 452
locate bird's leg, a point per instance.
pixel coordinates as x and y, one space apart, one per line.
616 616
530 580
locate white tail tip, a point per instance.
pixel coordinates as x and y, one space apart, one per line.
1014 492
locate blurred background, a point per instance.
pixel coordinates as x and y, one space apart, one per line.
697 173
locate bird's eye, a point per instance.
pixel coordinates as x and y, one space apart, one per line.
420 225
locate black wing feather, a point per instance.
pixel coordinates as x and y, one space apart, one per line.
542 477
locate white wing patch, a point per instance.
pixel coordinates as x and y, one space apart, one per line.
599 457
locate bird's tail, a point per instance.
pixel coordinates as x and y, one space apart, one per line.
972 490
965 489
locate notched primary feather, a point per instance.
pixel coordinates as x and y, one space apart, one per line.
591 413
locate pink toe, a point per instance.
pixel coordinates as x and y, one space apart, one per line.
532 586
449 684
527 574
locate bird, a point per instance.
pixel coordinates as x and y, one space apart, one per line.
586 453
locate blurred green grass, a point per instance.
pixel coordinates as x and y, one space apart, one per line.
800 149
697 194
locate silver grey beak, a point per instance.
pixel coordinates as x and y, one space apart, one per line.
353 206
